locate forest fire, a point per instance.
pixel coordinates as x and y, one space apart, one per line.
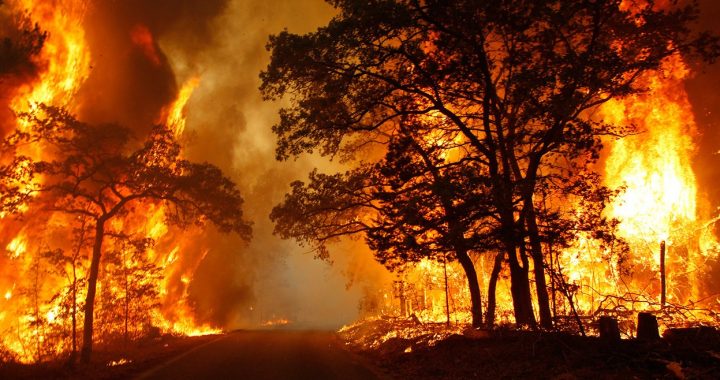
65 59
481 171
601 221
657 206
36 314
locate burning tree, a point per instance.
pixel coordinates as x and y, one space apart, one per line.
98 173
69 265
516 82
404 205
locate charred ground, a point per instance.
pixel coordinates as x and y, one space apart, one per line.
434 352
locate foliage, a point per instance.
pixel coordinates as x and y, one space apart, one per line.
20 42
513 82
90 172
101 174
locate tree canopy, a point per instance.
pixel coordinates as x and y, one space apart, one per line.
98 172
515 82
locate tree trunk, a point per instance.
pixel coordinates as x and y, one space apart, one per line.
86 350
36 303
553 285
127 300
519 282
73 355
520 289
473 285
538 265
492 285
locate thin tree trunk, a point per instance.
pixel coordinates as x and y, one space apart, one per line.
553 286
74 315
76 255
127 307
538 266
36 302
492 286
662 274
86 351
473 286
568 296
127 299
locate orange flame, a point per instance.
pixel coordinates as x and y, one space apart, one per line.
658 204
64 64
65 55
655 166
175 118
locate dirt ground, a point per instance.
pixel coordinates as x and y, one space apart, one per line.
435 352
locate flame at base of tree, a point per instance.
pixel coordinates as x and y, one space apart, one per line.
657 205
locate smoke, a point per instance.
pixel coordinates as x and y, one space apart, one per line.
131 77
141 53
703 92
704 96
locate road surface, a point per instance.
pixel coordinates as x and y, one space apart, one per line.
271 354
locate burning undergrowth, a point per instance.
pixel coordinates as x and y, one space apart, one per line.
125 362
392 334
408 349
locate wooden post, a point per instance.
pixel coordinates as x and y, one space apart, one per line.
399 292
609 329
662 274
447 296
647 327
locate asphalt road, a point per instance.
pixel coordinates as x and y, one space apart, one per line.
271 354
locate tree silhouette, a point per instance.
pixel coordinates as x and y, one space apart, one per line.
99 172
405 205
18 44
60 260
516 79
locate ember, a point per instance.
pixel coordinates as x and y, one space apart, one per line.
121 361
